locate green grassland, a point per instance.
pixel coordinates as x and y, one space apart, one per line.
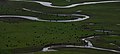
107 42
26 35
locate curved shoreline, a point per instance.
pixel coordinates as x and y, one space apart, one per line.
73 5
49 4
37 19
24 17
50 48
89 45
78 15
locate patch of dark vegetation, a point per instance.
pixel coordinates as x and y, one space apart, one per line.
13 19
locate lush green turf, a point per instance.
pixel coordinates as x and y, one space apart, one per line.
107 42
29 34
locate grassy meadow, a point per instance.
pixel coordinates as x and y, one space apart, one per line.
20 35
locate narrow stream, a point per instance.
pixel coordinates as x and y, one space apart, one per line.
89 45
48 4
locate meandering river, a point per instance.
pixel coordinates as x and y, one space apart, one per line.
48 4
